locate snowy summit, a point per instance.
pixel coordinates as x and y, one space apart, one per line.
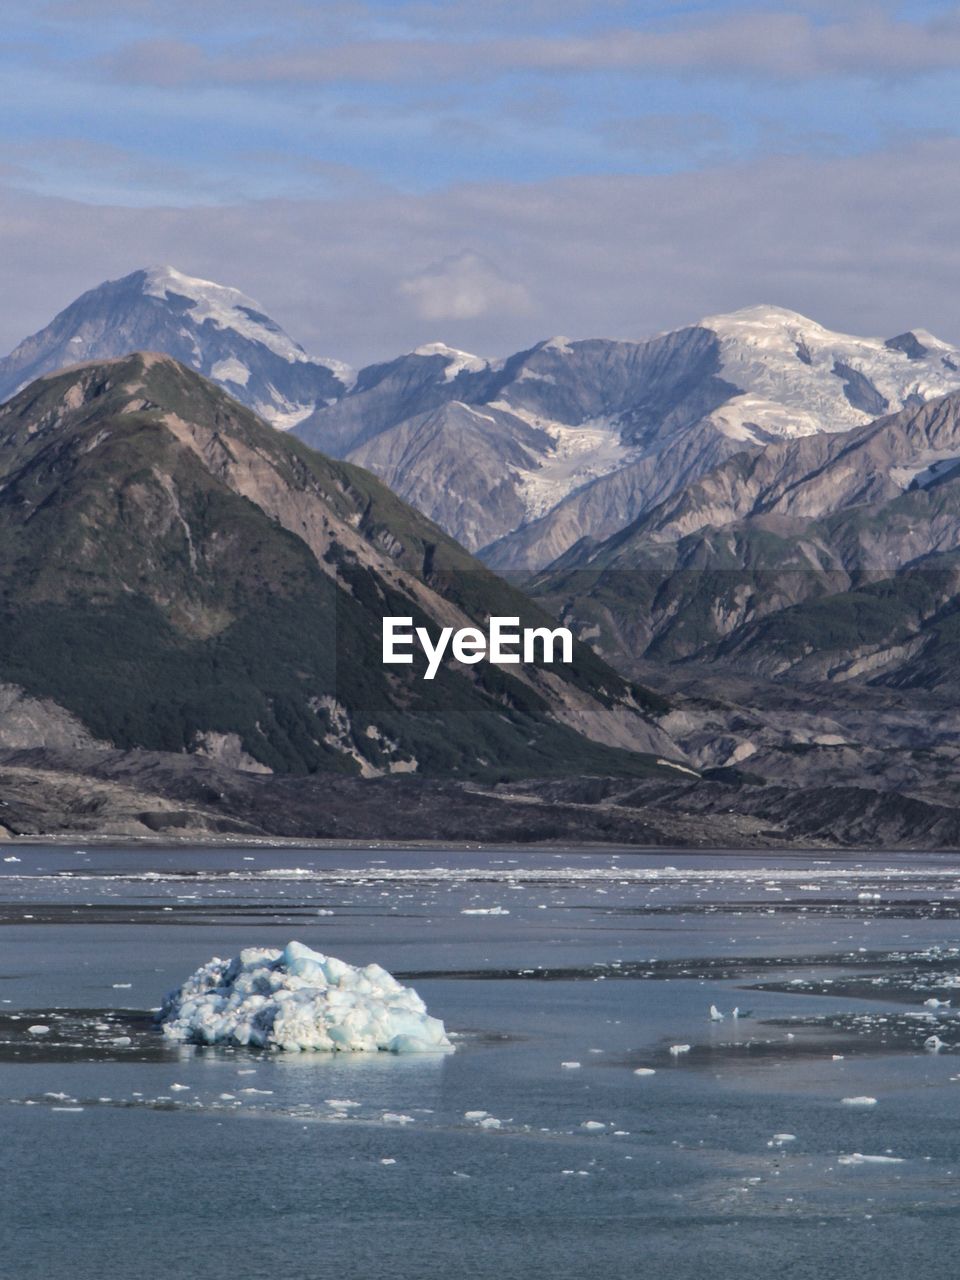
212 328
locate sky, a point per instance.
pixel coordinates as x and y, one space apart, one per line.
485 173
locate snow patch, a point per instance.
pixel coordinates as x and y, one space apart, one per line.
456 360
231 371
580 454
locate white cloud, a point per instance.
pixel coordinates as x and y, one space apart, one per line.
464 286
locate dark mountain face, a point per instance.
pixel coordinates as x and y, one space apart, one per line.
215 330
828 558
181 577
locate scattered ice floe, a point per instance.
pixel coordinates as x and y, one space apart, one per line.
298 999
857 1157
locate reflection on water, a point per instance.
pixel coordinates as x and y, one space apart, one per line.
596 1119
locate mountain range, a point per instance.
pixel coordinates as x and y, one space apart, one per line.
517 458
849 541
753 524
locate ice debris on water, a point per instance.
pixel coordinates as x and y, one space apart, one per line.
297 999
677 1049
858 1158
859 1102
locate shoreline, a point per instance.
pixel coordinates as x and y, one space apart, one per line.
279 843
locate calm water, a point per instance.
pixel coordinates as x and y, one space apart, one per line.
736 1158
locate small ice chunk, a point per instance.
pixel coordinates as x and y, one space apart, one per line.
39 1029
859 1102
396 1117
933 1044
677 1049
715 1014
858 1158
490 1122
644 1071
570 1066
475 1115
178 1088
593 1126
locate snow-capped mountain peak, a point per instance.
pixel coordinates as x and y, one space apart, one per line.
215 329
221 305
456 360
229 308
797 377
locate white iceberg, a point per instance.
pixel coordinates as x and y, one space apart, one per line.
298 999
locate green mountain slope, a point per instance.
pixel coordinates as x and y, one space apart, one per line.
182 577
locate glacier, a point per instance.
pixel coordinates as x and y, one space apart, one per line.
298 999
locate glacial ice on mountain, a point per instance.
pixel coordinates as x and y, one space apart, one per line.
790 373
228 308
298 999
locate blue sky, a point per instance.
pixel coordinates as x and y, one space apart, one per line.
451 156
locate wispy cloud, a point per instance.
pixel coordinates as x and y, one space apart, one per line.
763 42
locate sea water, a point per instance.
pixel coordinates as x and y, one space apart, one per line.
572 1133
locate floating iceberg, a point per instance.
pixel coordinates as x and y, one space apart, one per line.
299 999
